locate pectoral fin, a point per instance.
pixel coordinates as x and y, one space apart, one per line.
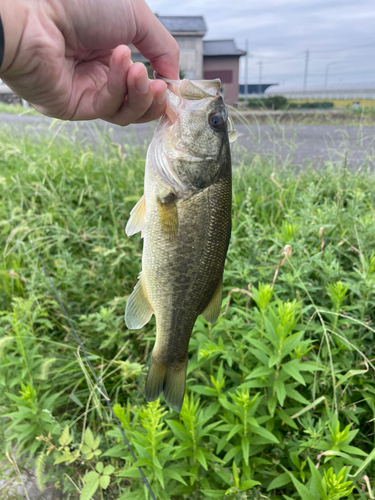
168 216
138 310
212 311
137 221
233 135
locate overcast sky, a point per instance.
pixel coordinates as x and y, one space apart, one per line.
279 32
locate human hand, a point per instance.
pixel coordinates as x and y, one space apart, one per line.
69 58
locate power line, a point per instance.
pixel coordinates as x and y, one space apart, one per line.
357 47
312 50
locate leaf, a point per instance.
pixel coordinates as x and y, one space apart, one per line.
132 472
260 345
108 469
89 438
231 453
261 371
201 458
248 484
301 488
202 389
286 418
292 369
64 439
91 480
271 405
350 373
219 494
293 394
309 407
279 481
279 387
245 449
364 464
274 358
159 474
76 400
99 467
156 462
260 356
316 479
117 451
174 475
104 481
261 431
353 450
235 429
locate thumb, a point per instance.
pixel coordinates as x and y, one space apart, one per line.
156 43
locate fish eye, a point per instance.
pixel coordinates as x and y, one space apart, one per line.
216 121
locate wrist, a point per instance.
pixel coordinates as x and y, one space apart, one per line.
14 17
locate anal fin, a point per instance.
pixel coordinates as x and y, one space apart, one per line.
137 220
212 311
138 310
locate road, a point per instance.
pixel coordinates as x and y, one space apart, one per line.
300 145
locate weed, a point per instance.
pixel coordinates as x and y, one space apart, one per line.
280 398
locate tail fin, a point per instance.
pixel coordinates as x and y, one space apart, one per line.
163 378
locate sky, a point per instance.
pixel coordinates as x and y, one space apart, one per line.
340 33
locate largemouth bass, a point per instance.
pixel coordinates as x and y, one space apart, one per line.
185 219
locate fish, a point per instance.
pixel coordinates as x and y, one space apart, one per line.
184 216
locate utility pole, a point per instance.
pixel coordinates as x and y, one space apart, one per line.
306 70
260 77
246 68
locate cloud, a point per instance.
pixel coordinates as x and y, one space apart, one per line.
280 31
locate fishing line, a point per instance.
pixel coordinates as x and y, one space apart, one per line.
99 385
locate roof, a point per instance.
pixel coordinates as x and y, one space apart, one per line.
184 24
221 48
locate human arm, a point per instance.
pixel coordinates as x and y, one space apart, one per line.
70 60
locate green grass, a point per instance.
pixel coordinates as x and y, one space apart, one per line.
282 383
362 117
17 109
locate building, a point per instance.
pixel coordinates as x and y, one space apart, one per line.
255 88
188 32
221 59
200 58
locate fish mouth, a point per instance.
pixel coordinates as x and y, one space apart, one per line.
191 90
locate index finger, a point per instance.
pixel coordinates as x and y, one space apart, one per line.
156 43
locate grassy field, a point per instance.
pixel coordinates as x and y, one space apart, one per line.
280 400
17 109
341 103
342 114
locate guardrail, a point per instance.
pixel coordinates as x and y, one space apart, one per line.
321 95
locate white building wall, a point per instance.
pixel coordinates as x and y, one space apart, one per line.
191 56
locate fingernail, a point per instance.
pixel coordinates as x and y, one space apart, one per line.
142 83
160 98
